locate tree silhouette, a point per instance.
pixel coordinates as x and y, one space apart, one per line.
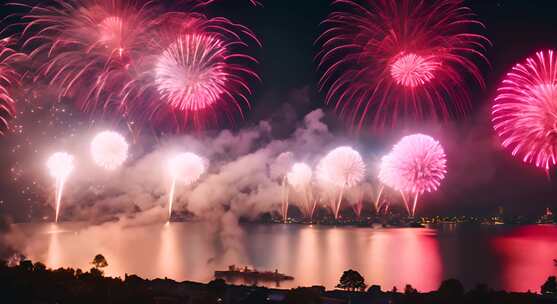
408 289
550 286
451 289
351 280
99 261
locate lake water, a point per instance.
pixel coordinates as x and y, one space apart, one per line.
513 258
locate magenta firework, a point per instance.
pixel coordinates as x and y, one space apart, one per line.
8 78
417 164
138 57
525 111
87 47
390 59
196 72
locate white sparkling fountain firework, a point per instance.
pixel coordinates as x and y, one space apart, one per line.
60 165
342 168
299 178
186 168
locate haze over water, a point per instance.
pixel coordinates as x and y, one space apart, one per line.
515 258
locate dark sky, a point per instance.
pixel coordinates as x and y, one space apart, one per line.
482 176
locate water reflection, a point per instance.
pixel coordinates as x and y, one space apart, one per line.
527 254
513 258
170 256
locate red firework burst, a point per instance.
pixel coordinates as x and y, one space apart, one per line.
525 111
88 46
197 70
400 59
8 78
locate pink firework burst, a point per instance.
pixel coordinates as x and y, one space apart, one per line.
190 73
88 46
417 164
197 71
8 78
392 59
525 111
341 168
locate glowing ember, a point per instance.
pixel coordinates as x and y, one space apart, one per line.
109 150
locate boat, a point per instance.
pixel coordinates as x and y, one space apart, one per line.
247 274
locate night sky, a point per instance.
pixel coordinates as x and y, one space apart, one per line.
482 176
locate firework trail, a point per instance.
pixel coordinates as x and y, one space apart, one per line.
393 59
299 178
279 170
186 168
359 205
8 78
342 168
525 111
89 47
197 71
60 165
417 164
109 150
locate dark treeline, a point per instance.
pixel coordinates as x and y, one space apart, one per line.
29 282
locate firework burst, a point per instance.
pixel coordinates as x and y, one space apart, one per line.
88 46
393 59
342 168
525 111
299 178
109 150
8 78
186 168
197 72
417 164
60 165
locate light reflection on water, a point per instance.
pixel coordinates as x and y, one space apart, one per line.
512 258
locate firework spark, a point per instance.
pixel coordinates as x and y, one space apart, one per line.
299 178
197 71
109 150
186 168
8 78
400 59
417 164
60 165
525 111
343 168
88 46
